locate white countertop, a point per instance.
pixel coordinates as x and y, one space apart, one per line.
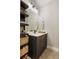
36 34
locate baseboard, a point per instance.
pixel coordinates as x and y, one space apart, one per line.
53 48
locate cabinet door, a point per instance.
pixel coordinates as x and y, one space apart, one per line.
39 45
32 47
44 41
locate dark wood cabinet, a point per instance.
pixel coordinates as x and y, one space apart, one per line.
37 45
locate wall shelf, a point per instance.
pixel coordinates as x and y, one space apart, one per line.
23 36
23 24
21 46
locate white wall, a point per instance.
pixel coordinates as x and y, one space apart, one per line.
50 14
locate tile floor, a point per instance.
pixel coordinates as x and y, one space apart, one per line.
49 54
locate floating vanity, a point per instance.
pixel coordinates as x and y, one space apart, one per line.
37 44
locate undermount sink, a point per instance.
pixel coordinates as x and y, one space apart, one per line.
36 34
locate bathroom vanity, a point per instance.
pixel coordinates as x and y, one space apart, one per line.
37 44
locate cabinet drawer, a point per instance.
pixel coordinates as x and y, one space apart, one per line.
23 51
24 40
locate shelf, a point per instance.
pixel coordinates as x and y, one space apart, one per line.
24 5
22 34
23 24
23 42
21 46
